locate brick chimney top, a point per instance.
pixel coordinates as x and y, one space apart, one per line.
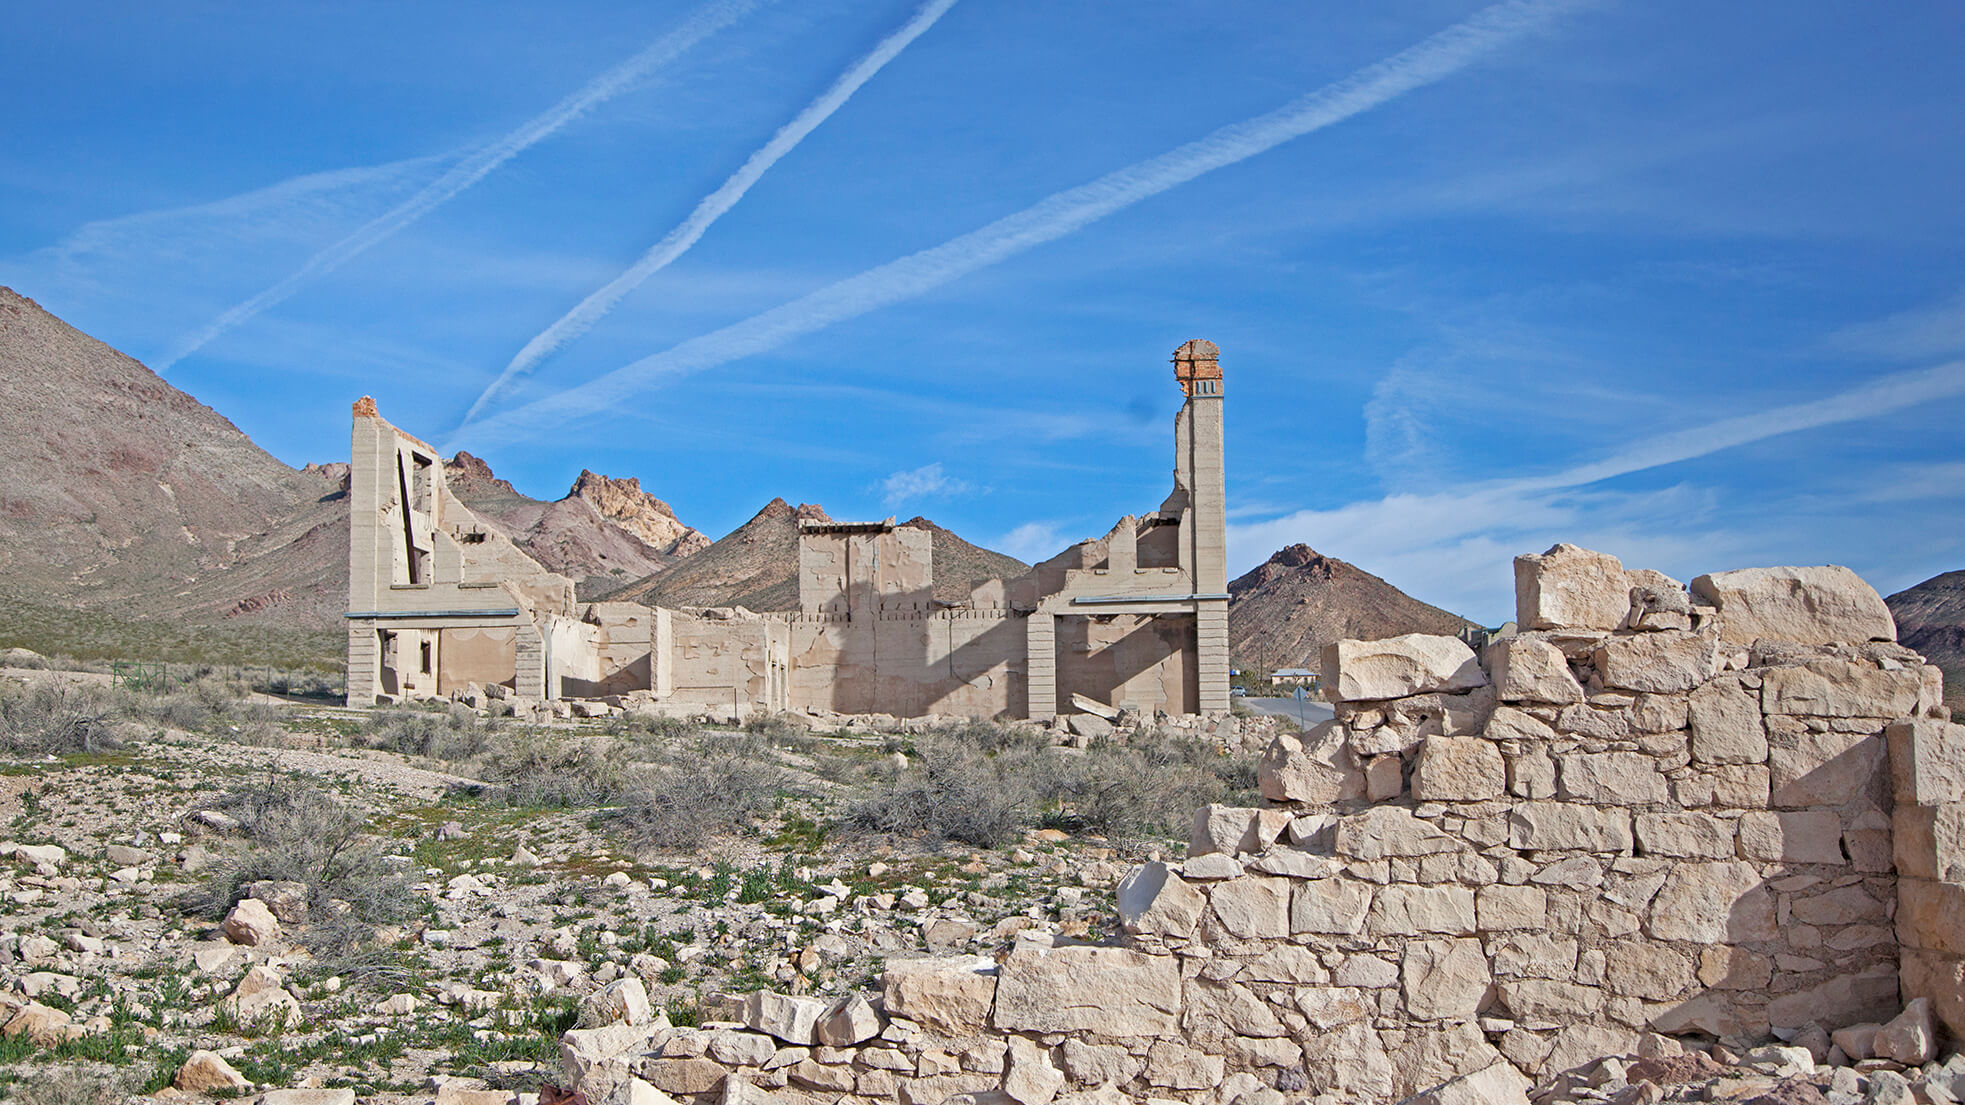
365 408
1197 365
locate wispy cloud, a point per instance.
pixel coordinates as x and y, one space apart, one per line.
1935 330
925 482
116 255
1428 62
713 207
473 168
1453 546
1031 542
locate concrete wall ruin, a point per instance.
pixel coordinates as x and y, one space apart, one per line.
1651 816
440 600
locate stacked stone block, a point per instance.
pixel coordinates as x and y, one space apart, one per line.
1721 813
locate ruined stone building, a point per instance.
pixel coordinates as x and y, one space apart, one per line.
440 600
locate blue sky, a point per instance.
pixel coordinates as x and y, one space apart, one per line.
1679 281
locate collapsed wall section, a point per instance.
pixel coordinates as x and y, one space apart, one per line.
1625 823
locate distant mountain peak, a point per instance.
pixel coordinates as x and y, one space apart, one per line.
1283 612
623 502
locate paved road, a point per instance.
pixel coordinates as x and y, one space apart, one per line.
1312 711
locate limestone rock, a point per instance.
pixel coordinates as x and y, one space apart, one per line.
1549 826
1458 769
623 1001
252 924
44 1025
1887 1087
1095 1064
261 999
1570 587
1685 835
1610 779
1911 1038
1712 903
1927 761
1253 907
741 1049
1443 979
1530 670
1234 830
287 900
1152 899
635 1092
1391 832
1106 991
310 1097
1334 906
1809 606
952 995
791 1019
1317 768
598 1062
1031 1078
848 1022
1824 769
1415 663
1495 1084
1726 724
1839 688
1661 663
1400 910
205 1072
1798 836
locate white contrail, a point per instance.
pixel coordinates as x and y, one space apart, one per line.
475 167
596 306
1429 61
1883 395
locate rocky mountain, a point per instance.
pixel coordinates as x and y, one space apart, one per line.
129 512
756 566
1931 619
624 503
602 533
1283 613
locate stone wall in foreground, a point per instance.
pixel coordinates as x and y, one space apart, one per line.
1653 810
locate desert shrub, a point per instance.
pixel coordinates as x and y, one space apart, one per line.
1122 791
296 832
683 806
455 734
56 718
206 703
775 727
529 768
992 736
640 724
71 1084
982 783
955 791
301 684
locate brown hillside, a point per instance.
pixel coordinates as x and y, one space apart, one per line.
1931 619
1283 613
126 498
120 492
756 565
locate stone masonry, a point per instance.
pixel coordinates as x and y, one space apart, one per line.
1634 819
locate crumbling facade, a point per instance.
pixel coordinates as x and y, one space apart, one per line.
441 601
1652 821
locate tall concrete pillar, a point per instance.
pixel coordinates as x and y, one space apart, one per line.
364 664
1201 469
1041 666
